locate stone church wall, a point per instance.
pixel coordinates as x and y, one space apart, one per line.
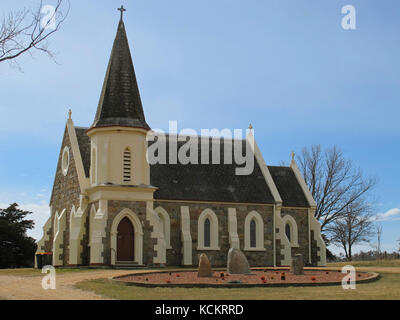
139 208
174 255
300 215
218 257
66 191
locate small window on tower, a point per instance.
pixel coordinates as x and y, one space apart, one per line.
127 165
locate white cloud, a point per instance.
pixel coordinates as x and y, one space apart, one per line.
40 214
392 214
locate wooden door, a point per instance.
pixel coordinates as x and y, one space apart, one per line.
125 241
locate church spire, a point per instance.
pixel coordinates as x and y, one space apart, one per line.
120 103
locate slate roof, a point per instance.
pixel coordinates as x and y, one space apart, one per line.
120 103
209 182
84 146
213 182
288 187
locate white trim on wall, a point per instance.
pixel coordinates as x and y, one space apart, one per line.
208 213
138 242
65 159
303 184
76 230
234 241
186 236
264 168
60 221
254 215
93 167
98 223
166 225
83 181
294 234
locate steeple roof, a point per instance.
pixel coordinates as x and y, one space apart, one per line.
120 103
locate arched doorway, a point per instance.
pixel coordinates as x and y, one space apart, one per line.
125 241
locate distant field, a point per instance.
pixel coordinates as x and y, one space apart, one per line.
378 263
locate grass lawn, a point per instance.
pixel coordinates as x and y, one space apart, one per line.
388 287
31 272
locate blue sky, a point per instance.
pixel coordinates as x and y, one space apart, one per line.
286 66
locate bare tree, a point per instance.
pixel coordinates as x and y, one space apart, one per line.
334 183
24 31
354 227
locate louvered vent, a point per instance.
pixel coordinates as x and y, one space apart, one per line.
127 166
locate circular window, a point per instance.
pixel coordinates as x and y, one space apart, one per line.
65 161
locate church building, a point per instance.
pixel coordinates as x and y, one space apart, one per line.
110 207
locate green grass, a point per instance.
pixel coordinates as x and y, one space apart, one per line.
388 287
31 272
378 263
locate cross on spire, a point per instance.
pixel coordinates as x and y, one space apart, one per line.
122 9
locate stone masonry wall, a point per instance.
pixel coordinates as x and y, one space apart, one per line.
218 258
300 215
139 208
66 191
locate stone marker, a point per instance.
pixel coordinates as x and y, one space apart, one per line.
297 265
237 262
204 267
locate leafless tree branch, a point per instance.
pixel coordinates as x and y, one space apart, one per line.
354 227
24 30
334 183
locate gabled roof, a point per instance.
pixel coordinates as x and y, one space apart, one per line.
288 187
213 182
209 182
84 147
120 103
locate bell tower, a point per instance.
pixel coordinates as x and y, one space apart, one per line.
118 133
119 170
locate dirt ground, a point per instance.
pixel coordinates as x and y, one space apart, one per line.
30 287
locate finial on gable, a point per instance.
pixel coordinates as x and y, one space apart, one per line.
293 154
122 9
69 114
250 126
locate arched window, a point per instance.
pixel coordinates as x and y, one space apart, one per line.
165 225
291 230
127 165
287 231
207 233
253 232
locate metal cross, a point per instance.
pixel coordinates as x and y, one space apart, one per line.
122 9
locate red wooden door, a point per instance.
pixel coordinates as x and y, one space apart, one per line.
125 241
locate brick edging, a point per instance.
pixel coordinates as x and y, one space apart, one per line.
374 277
